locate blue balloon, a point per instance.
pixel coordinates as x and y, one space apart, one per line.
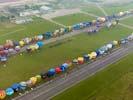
9 91
40 44
3 58
16 87
86 57
64 66
51 72
98 52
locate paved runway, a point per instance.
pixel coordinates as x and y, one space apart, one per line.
58 85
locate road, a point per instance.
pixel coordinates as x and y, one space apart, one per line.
49 89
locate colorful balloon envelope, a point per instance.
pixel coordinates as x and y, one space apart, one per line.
36 47
1 47
3 59
40 37
17 48
69 63
115 42
109 46
51 72
94 55
58 70
23 85
2 94
29 83
80 60
44 75
11 50
101 51
16 87
90 56
38 78
65 65
86 57
75 61
40 44
9 91
33 80
27 40
6 52
21 43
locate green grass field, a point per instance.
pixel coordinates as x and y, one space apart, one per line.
73 19
113 83
20 68
17 32
117 8
93 9
128 21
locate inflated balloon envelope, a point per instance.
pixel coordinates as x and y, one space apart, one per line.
38 78
90 56
86 57
80 60
40 43
109 46
21 43
115 42
58 70
23 85
93 55
9 91
51 72
75 61
33 80
29 83
2 94
40 37
16 87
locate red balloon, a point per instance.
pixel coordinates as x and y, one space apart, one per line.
2 53
57 70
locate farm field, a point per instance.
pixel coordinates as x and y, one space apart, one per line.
117 8
92 9
17 32
113 83
128 21
20 68
73 19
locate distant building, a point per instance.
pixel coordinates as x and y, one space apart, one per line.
23 20
29 13
45 9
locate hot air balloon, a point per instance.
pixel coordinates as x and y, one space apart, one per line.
2 94
33 80
21 43
86 57
23 85
80 60
9 91
16 87
40 44
58 70
51 72
38 78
